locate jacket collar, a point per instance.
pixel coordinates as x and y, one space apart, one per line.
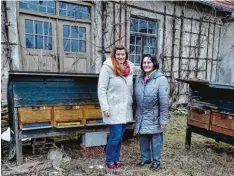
155 74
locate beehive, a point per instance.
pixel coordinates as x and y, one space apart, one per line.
35 117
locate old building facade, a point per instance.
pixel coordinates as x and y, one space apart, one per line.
77 36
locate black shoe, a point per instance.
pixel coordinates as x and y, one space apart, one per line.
154 166
142 163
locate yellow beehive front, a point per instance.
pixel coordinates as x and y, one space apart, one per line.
35 116
67 114
89 114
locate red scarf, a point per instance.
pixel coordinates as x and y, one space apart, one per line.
126 70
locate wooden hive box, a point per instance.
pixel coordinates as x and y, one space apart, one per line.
35 117
69 116
222 123
92 116
199 117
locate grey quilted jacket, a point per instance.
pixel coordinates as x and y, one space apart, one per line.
151 99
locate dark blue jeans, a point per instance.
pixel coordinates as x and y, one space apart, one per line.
114 143
156 141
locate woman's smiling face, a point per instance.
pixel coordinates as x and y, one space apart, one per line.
147 65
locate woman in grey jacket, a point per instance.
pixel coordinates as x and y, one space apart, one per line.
115 90
151 96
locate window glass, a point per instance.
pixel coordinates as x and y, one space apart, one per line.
38 6
151 28
29 26
66 31
38 27
74 11
81 33
143 26
74 45
76 39
39 42
143 39
29 41
134 25
74 32
38 34
66 45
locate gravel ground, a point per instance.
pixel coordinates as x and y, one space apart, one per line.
206 158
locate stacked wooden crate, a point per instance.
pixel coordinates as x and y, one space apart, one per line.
212 107
215 121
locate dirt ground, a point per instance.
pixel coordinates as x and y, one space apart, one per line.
206 158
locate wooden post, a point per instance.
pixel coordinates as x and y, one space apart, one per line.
18 142
188 137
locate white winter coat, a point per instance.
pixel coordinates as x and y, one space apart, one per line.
115 94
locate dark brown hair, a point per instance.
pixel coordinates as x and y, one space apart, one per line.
116 66
153 60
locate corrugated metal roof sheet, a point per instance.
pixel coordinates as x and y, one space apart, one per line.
227 5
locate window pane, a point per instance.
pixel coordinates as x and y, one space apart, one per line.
146 50
38 6
132 39
85 16
74 45
47 28
29 26
138 50
146 41
138 40
143 26
66 45
151 28
23 5
42 9
134 25
29 41
152 51
152 42
74 11
62 5
81 33
50 10
85 10
48 43
132 49
66 31
74 32
38 27
132 58
78 15
39 42
137 59
82 46
63 12
50 3
33 7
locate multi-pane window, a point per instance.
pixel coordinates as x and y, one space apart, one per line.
38 6
38 34
74 38
74 11
143 39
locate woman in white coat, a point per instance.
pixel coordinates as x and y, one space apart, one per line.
115 89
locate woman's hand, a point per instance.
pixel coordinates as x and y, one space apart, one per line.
163 126
106 113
